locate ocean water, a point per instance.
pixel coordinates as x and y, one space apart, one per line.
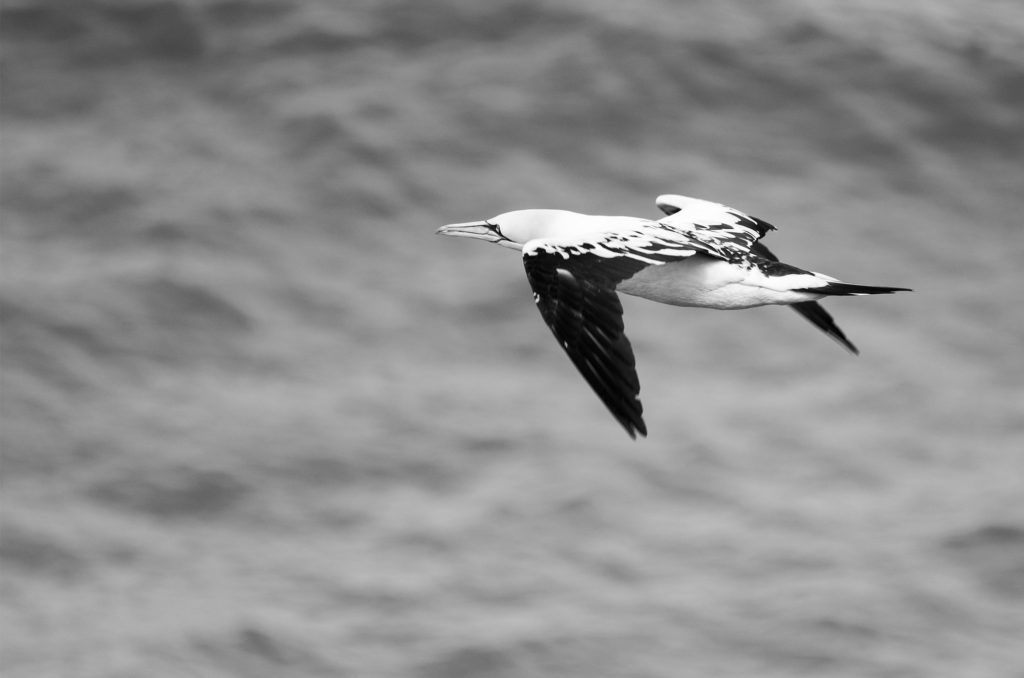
257 420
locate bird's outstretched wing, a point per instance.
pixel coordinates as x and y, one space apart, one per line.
728 233
741 231
573 281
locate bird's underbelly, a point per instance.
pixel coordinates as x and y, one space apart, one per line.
707 282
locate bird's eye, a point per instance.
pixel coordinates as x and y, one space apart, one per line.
497 229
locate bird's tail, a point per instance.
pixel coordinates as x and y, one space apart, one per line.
842 289
812 310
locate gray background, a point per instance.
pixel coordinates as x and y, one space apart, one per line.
259 421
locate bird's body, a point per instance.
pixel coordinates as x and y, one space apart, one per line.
700 254
707 282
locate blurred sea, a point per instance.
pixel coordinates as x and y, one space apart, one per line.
258 421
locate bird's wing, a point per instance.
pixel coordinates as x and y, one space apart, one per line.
573 281
727 232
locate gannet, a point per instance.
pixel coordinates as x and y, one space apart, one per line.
700 253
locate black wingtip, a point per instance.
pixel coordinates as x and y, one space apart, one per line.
822 319
841 339
629 417
635 427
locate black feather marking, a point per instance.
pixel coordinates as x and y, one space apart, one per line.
775 268
576 297
760 225
761 250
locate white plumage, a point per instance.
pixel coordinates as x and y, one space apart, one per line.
699 254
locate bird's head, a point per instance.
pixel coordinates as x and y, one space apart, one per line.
511 229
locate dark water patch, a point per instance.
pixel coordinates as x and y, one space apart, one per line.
803 32
182 306
167 233
994 553
263 645
689 485
958 126
39 555
39 21
164 29
222 234
406 27
849 629
33 92
414 25
251 650
175 322
60 205
312 39
312 133
487 444
84 204
30 343
322 137
107 31
472 662
1008 86
235 13
121 326
315 470
175 493
372 468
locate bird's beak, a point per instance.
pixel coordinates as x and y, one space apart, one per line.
481 230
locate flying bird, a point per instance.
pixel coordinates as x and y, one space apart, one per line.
699 254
